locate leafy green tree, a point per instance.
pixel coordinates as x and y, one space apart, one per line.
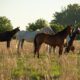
5 24
31 27
56 27
70 15
40 23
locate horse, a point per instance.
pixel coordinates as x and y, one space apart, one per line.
71 41
30 35
7 36
52 40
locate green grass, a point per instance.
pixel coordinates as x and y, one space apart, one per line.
14 67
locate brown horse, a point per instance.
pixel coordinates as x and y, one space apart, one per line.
52 40
72 38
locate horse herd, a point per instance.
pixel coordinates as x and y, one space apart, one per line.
45 35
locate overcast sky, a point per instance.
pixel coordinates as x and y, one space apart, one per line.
22 12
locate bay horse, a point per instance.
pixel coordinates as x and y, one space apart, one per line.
52 40
71 41
7 36
30 35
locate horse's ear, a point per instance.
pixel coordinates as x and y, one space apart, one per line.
18 27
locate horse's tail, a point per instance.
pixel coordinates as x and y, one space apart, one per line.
35 44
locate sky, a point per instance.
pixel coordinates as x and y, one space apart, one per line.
22 12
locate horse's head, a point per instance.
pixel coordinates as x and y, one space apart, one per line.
69 29
17 29
77 30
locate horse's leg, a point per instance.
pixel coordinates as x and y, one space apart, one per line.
36 49
18 46
54 49
16 43
72 48
60 50
22 44
8 44
67 49
48 48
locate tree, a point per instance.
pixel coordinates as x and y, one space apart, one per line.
70 15
56 28
31 27
5 24
40 23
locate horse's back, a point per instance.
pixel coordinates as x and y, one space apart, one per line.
26 35
20 34
42 37
30 36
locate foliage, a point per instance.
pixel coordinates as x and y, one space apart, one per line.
56 27
70 15
31 27
40 23
5 24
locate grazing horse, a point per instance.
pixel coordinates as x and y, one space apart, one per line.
30 35
52 40
7 36
72 38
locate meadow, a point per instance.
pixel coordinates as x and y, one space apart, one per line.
48 67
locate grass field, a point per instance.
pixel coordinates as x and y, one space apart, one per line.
47 67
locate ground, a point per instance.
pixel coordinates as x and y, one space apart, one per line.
48 67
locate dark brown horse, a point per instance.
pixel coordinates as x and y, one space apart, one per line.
52 40
72 38
7 36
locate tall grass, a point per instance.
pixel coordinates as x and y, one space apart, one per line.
47 67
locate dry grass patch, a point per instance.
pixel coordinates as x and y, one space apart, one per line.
48 67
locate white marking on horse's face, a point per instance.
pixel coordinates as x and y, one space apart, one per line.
79 29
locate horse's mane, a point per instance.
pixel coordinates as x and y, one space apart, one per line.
62 32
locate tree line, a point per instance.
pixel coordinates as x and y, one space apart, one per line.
70 15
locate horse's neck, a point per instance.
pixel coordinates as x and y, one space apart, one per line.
64 34
73 36
13 32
